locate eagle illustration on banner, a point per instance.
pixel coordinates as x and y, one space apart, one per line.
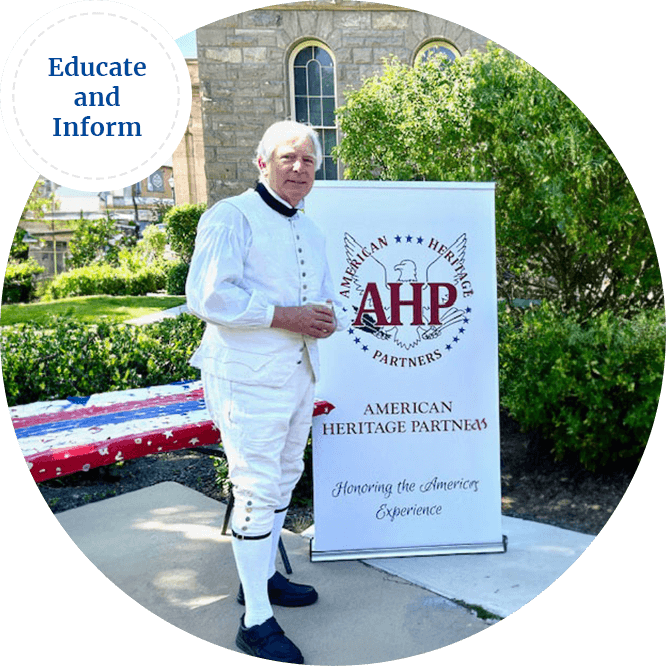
406 290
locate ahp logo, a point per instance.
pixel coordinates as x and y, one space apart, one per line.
409 297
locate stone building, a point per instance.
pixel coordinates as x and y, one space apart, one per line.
188 159
297 61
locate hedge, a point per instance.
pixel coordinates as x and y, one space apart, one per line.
67 358
112 281
19 283
590 390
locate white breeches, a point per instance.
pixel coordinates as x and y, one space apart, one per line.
264 431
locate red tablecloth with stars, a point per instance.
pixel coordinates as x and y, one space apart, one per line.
66 436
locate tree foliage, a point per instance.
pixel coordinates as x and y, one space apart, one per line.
96 241
569 226
37 204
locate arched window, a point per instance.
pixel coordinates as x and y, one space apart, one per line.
313 98
436 47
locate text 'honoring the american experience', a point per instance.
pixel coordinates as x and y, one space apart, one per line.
400 503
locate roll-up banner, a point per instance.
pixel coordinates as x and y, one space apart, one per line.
408 463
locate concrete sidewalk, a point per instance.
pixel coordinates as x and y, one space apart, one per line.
162 546
537 555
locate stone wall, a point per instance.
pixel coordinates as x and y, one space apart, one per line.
244 63
188 158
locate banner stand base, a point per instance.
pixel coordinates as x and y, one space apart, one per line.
412 551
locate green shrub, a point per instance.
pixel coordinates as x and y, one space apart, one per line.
109 280
176 340
19 283
66 358
590 390
176 278
181 227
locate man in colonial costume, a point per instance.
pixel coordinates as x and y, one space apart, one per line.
260 279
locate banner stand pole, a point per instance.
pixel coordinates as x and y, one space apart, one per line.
417 551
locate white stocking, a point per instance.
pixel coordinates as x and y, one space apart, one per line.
275 538
252 560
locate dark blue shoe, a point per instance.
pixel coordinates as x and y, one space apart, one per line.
267 641
282 592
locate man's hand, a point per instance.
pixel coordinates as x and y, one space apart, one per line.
317 321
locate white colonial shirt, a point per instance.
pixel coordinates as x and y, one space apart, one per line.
249 258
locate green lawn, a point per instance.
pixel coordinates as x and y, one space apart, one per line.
89 309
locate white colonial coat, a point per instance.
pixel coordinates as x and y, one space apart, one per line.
258 380
248 259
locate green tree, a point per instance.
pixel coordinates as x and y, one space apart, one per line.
569 226
19 250
21 272
89 242
37 204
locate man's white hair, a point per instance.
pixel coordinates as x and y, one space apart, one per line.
284 130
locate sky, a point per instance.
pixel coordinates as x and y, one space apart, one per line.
188 45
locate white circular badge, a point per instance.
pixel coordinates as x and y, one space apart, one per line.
96 95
